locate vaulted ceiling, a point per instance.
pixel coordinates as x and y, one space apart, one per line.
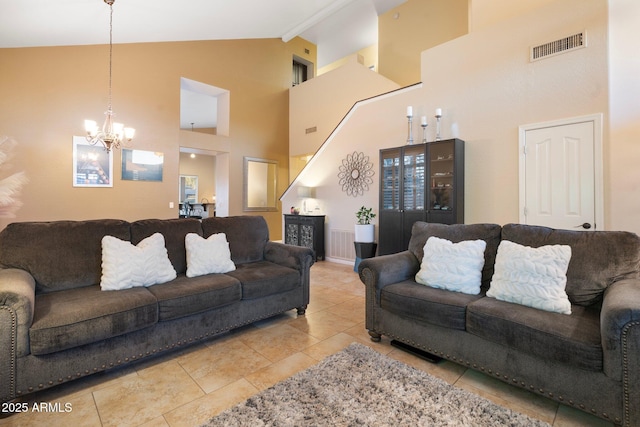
337 27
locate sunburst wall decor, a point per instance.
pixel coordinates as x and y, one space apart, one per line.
355 174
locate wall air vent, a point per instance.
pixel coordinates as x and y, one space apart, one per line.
557 47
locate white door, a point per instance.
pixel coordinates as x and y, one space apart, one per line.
561 176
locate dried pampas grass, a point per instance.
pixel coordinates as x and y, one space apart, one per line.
10 186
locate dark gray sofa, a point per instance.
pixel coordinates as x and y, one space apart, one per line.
56 324
589 359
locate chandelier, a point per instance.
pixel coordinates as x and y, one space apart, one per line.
112 134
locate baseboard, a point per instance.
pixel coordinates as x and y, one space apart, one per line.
340 260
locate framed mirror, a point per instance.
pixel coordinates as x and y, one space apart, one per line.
260 185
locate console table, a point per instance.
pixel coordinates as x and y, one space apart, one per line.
307 231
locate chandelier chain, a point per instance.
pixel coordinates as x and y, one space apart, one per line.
110 50
112 134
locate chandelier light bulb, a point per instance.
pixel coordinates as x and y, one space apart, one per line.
91 127
118 129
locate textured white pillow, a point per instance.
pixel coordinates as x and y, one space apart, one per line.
206 256
452 266
535 277
127 266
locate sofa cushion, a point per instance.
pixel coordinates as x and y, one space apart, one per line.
598 258
184 296
535 277
174 232
573 339
490 233
206 256
74 317
247 235
452 266
259 279
431 305
59 254
127 266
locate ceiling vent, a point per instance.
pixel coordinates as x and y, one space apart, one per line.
557 47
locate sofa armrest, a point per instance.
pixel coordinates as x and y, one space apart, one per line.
378 272
620 332
297 257
17 299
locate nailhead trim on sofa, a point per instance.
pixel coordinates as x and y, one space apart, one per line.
625 368
515 381
133 358
12 349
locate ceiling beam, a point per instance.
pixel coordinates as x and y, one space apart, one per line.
315 19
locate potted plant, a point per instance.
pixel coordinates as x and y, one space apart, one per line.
364 230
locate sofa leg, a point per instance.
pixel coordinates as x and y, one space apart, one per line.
302 310
375 337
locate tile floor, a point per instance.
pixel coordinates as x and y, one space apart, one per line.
186 388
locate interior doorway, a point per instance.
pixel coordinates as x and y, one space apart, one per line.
204 115
302 70
561 179
212 171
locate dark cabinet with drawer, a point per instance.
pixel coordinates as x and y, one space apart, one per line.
306 231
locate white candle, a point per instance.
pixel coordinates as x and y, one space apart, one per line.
438 111
409 111
424 120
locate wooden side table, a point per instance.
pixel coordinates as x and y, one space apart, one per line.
363 251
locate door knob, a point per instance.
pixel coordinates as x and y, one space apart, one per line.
586 226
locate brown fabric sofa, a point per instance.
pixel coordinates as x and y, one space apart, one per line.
56 324
589 359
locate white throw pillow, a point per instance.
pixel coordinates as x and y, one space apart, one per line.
535 277
127 266
452 266
206 256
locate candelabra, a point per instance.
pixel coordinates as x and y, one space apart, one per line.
410 125
424 129
438 117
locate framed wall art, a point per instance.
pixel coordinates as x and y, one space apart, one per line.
140 165
92 165
355 174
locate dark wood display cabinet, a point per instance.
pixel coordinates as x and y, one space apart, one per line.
422 182
306 231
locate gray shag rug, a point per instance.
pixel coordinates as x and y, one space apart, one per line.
361 387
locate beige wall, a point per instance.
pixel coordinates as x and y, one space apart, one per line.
487 88
486 13
369 126
367 57
623 150
419 25
323 101
48 92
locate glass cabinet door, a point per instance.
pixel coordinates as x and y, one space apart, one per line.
441 176
390 184
414 178
422 182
